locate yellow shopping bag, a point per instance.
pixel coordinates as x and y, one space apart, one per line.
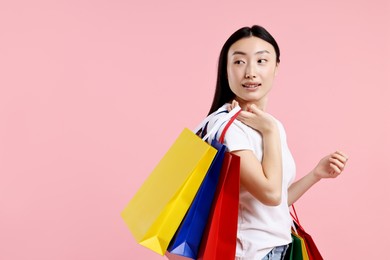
157 209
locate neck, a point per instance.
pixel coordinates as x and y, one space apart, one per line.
261 104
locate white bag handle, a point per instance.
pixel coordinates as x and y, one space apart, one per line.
219 122
207 119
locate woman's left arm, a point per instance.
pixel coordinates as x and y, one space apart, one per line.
330 166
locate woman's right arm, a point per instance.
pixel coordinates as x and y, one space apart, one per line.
262 179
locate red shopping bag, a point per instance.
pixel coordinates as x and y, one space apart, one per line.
219 238
311 247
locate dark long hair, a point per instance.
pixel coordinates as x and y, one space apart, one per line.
223 94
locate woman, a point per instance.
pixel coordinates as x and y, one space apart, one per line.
248 63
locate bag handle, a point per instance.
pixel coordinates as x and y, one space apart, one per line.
203 123
232 114
295 217
207 119
222 137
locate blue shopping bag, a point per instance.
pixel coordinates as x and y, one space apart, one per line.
188 237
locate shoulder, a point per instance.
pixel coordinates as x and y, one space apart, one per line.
238 136
281 128
236 128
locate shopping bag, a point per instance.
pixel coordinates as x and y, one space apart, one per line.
303 250
186 242
219 238
156 210
311 247
158 207
294 252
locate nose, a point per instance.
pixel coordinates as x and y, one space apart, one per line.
250 72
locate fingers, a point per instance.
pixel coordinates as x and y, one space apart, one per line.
337 161
335 169
229 107
232 105
243 117
235 104
250 107
246 116
243 114
341 156
254 109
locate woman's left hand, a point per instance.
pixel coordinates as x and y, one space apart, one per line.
331 165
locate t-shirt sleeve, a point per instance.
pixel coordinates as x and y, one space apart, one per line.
236 138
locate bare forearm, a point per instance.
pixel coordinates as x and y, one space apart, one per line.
298 188
330 166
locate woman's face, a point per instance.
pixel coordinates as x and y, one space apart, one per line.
251 69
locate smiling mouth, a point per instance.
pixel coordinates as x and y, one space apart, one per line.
251 86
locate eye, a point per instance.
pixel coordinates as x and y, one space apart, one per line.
238 62
262 61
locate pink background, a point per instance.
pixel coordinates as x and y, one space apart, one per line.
92 94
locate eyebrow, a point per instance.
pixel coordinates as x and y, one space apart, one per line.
243 53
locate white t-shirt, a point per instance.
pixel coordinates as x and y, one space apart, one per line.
260 227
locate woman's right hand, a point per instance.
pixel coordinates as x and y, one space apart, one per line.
255 118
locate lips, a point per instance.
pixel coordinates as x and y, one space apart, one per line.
251 85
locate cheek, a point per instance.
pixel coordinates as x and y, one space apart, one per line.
269 74
234 74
